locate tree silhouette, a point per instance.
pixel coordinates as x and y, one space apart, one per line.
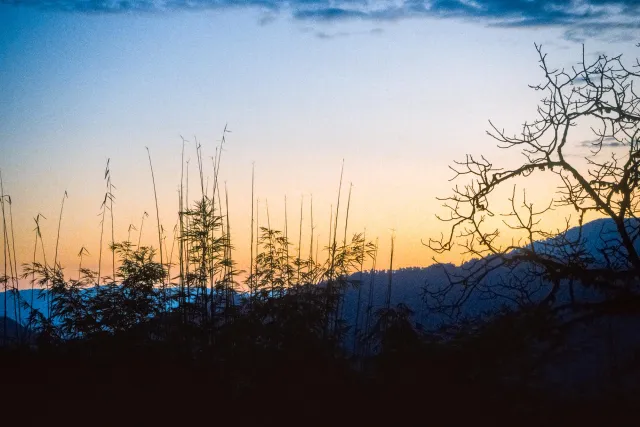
557 265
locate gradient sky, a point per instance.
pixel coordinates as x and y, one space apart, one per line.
398 89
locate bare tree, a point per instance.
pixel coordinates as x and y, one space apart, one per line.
559 268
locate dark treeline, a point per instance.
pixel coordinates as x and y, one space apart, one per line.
139 346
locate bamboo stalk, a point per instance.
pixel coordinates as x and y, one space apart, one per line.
5 244
340 300
251 278
141 225
271 247
173 243
103 206
388 302
333 248
312 232
55 258
183 297
257 240
204 234
181 236
155 194
131 227
188 227
330 230
335 226
83 251
372 280
229 281
286 240
329 274
346 220
355 329
13 267
300 240
35 248
15 261
113 239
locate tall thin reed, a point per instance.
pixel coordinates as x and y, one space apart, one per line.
173 243
286 239
340 300
144 214
131 227
223 232
329 274
109 196
15 262
335 227
218 157
256 270
35 249
5 278
188 227
113 239
372 281
312 230
300 239
13 268
388 302
55 257
187 248
330 231
358 303
181 219
155 195
83 251
202 269
103 206
229 263
346 220
251 286
271 247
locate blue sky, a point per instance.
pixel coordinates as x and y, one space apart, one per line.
398 89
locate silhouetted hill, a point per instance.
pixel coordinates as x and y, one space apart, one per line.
408 283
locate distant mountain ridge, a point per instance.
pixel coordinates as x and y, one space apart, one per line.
408 283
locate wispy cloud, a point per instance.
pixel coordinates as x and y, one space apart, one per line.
607 141
339 34
579 18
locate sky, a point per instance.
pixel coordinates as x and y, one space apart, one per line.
395 89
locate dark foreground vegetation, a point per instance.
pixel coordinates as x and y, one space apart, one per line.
173 336
274 363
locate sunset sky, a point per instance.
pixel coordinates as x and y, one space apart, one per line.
397 88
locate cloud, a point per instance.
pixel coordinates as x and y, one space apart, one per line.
328 36
607 141
267 19
330 14
579 18
144 6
